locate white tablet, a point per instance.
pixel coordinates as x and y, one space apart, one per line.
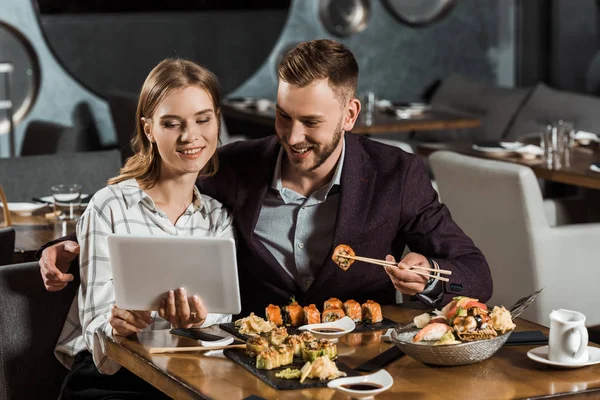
145 268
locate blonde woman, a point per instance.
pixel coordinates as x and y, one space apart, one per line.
177 131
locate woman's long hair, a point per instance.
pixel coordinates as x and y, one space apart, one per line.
170 74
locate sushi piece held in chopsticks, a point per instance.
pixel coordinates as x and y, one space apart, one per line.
293 314
353 310
343 250
312 314
332 303
273 314
371 312
332 314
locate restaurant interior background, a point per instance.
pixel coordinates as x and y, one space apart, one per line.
78 65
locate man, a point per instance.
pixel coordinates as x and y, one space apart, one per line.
296 196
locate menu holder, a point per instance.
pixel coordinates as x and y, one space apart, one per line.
386 323
268 376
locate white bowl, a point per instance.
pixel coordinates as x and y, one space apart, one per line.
24 209
343 326
381 378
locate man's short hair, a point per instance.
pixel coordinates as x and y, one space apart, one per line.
321 59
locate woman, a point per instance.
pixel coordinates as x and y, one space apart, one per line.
177 131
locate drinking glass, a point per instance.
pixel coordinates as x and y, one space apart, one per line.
67 199
368 102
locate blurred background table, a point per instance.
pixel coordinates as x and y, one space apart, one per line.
239 117
33 231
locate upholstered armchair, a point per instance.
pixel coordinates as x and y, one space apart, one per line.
500 206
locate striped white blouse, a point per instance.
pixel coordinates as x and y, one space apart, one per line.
125 208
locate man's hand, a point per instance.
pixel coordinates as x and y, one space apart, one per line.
55 263
127 322
182 311
404 280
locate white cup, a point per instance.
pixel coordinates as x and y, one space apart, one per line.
568 339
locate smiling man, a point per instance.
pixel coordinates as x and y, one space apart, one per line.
296 196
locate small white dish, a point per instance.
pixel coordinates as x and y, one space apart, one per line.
381 378
24 209
585 138
338 328
50 199
540 354
530 151
592 167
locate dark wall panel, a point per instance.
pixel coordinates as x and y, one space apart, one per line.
115 52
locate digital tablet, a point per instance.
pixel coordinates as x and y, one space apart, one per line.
145 268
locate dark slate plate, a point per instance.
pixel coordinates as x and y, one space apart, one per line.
249 363
360 328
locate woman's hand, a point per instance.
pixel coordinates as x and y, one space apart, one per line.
182 311
404 280
126 322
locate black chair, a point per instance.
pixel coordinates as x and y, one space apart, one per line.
30 323
7 245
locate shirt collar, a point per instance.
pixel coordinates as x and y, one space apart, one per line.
276 182
133 195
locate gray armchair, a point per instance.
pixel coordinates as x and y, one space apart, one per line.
500 206
25 177
30 323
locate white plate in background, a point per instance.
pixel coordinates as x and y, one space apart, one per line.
24 209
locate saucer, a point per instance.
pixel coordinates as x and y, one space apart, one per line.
381 378
338 328
24 209
540 354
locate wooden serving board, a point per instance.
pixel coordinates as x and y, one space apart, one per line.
292 330
249 363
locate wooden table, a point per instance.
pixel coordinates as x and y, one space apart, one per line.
507 374
577 173
35 230
381 123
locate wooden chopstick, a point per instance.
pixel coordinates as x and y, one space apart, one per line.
159 350
394 264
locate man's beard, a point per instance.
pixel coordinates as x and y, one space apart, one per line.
321 152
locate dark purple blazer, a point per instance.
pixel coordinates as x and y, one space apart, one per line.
386 203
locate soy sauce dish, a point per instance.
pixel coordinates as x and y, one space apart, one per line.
363 387
330 330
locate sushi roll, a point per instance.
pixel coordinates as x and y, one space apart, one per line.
371 312
307 337
293 315
333 314
312 314
316 349
255 345
273 314
296 343
285 354
276 336
268 359
352 309
332 303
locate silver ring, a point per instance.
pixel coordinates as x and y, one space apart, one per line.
194 314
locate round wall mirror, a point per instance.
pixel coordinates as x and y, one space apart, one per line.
344 17
419 12
24 78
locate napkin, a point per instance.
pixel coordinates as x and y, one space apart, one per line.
381 360
582 135
527 338
497 144
595 167
530 149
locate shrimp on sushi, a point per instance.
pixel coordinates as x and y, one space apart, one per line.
371 312
432 332
273 314
312 314
332 303
353 310
338 256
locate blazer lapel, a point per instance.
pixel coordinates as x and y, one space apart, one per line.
356 191
257 181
